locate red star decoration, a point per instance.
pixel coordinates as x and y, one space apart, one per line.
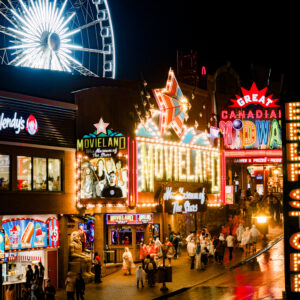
101 126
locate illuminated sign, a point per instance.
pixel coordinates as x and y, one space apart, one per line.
169 195
133 219
259 160
168 161
17 123
29 233
291 203
254 96
102 164
252 122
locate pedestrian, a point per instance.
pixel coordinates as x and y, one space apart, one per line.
33 288
151 270
198 256
38 292
230 244
191 249
36 273
139 276
25 292
41 273
169 250
79 287
97 268
29 276
254 235
50 291
239 233
175 244
220 249
127 261
245 243
70 286
204 254
179 247
10 293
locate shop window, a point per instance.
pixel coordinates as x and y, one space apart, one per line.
140 234
24 173
121 236
54 174
39 174
4 172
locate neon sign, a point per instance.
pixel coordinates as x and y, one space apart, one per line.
252 127
134 219
165 161
292 199
254 96
18 123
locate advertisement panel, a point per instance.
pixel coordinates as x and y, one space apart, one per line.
102 164
252 121
24 234
229 194
30 233
2 245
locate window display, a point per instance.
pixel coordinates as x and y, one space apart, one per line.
121 235
24 173
140 234
54 178
4 172
39 173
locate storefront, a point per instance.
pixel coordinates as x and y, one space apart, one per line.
251 129
28 241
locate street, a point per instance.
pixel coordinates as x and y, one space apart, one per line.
263 276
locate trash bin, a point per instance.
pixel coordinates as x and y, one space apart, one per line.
164 274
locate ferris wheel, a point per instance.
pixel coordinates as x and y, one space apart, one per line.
66 35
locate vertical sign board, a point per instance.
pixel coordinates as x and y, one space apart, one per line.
291 200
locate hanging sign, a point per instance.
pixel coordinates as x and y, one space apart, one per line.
229 194
252 122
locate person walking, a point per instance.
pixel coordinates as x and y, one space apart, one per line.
36 273
97 268
29 276
191 249
79 287
70 286
139 276
254 235
127 261
10 293
220 249
239 233
50 291
41 273
169 250
245 243
198 256
175 244
230 244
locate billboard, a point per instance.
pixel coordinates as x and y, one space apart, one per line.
253 121
102 164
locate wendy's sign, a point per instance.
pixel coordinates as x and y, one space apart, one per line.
252 122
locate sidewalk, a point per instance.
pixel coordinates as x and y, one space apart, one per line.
118 286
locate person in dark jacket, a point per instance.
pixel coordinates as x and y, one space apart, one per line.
50 291
41 273
29 276
97 270
80 287
36 273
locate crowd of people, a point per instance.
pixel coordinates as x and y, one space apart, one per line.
33 288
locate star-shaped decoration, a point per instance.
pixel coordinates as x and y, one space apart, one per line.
172 104
101 126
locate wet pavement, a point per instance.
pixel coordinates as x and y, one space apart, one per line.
263 276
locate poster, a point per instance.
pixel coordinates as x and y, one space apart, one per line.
53 232
24 234
2 245
229 194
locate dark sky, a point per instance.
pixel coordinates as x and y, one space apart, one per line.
148 34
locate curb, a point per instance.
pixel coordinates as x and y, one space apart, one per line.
258 253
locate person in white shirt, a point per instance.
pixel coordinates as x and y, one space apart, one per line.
191 249
230 244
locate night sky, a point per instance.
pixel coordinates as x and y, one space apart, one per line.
148 34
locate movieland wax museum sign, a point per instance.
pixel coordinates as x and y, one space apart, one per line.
253 121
